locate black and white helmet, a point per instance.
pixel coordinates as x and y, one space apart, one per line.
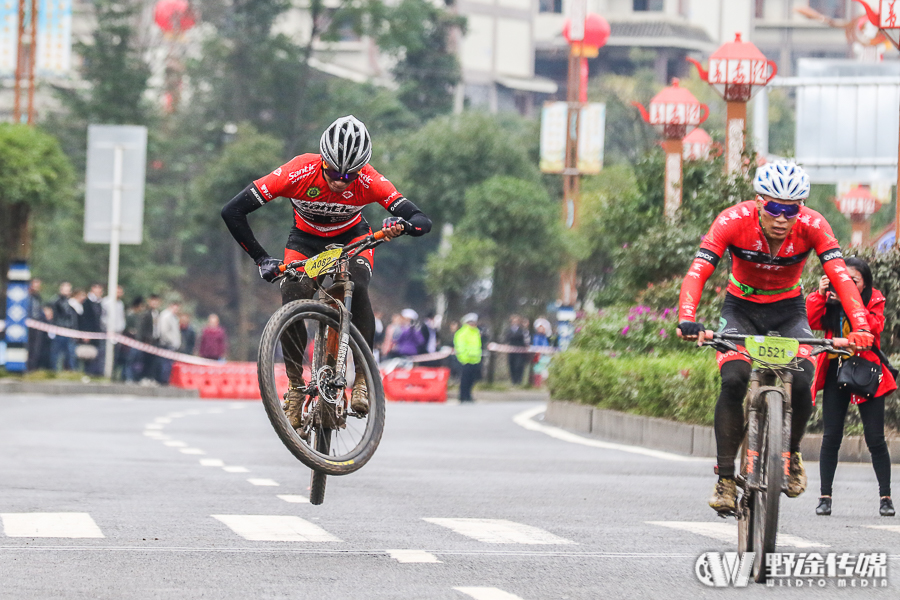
783 180
346 145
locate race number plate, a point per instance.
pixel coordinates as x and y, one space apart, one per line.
320 263
773 350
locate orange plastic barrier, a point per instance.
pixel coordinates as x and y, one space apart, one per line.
419 384
232 380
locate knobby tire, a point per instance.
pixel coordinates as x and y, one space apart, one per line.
766 502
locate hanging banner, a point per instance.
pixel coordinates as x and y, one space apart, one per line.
9 23
591 137
54 38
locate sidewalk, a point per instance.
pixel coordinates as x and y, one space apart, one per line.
61 388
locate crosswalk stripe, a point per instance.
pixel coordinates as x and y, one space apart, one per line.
727 532
293 498
893 528
50 525
413 556
234 469
271 528
486 593
269 482
500 531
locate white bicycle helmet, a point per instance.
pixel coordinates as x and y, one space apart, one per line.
346 145
783 180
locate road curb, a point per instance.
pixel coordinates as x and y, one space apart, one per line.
679 438
65 388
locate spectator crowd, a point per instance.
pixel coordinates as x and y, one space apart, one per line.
145 320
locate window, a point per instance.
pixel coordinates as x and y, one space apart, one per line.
836 9
648 5
550 6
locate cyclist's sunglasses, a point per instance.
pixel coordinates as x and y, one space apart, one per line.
776 209
337 175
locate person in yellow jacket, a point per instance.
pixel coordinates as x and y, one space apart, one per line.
467 344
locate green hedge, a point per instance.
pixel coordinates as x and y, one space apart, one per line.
682 386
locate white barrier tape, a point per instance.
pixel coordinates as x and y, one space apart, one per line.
494 347
430 356
121 339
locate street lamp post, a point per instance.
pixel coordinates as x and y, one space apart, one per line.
887 20
737 70
674 112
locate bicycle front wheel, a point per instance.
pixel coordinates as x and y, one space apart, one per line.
771 477
297 350
317 479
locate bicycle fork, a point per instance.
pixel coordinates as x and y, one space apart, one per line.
758 394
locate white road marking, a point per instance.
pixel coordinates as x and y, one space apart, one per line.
212 462
487 593
293 498
270 482
236 469
153 426
191 451
52 525
413 556
524 419
156 435
893 528
727 532
176 415
175 444
164 420
265 528
194 412
500 531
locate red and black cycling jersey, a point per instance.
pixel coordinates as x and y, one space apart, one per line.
318 212
317 209
762 277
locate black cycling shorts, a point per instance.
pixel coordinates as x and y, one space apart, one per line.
786 318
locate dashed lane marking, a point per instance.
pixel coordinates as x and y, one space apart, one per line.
893 528
727 532
212 462
412 556
525 419
270 528
50 525
259 481
487 593
234 469
175 444
293 498
500 531
191 451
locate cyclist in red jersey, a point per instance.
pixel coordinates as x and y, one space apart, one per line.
769 240
328 192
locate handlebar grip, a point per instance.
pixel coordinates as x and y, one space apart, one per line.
379 235
282 268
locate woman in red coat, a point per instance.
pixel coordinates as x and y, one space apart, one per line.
825 313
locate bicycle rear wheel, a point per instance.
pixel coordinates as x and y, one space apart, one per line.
291 353
745 516
771 476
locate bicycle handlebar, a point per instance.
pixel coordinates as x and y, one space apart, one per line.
369 241
836 345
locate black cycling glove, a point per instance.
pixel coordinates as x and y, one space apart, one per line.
268 268
390 221
690 328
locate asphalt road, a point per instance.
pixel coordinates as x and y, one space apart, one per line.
121 498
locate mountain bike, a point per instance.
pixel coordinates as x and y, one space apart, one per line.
312 345
765 450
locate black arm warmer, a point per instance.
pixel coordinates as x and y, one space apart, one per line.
403 208
235 215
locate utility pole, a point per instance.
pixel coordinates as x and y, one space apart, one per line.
26 57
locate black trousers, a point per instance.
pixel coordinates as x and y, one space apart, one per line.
835 403
469 374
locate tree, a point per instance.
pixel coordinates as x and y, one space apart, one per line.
418 33
35 177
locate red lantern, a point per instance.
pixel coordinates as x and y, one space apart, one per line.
596 32
174 16
674 112
858 201
737 70
887 19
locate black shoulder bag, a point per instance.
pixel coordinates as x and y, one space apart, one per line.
859 376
